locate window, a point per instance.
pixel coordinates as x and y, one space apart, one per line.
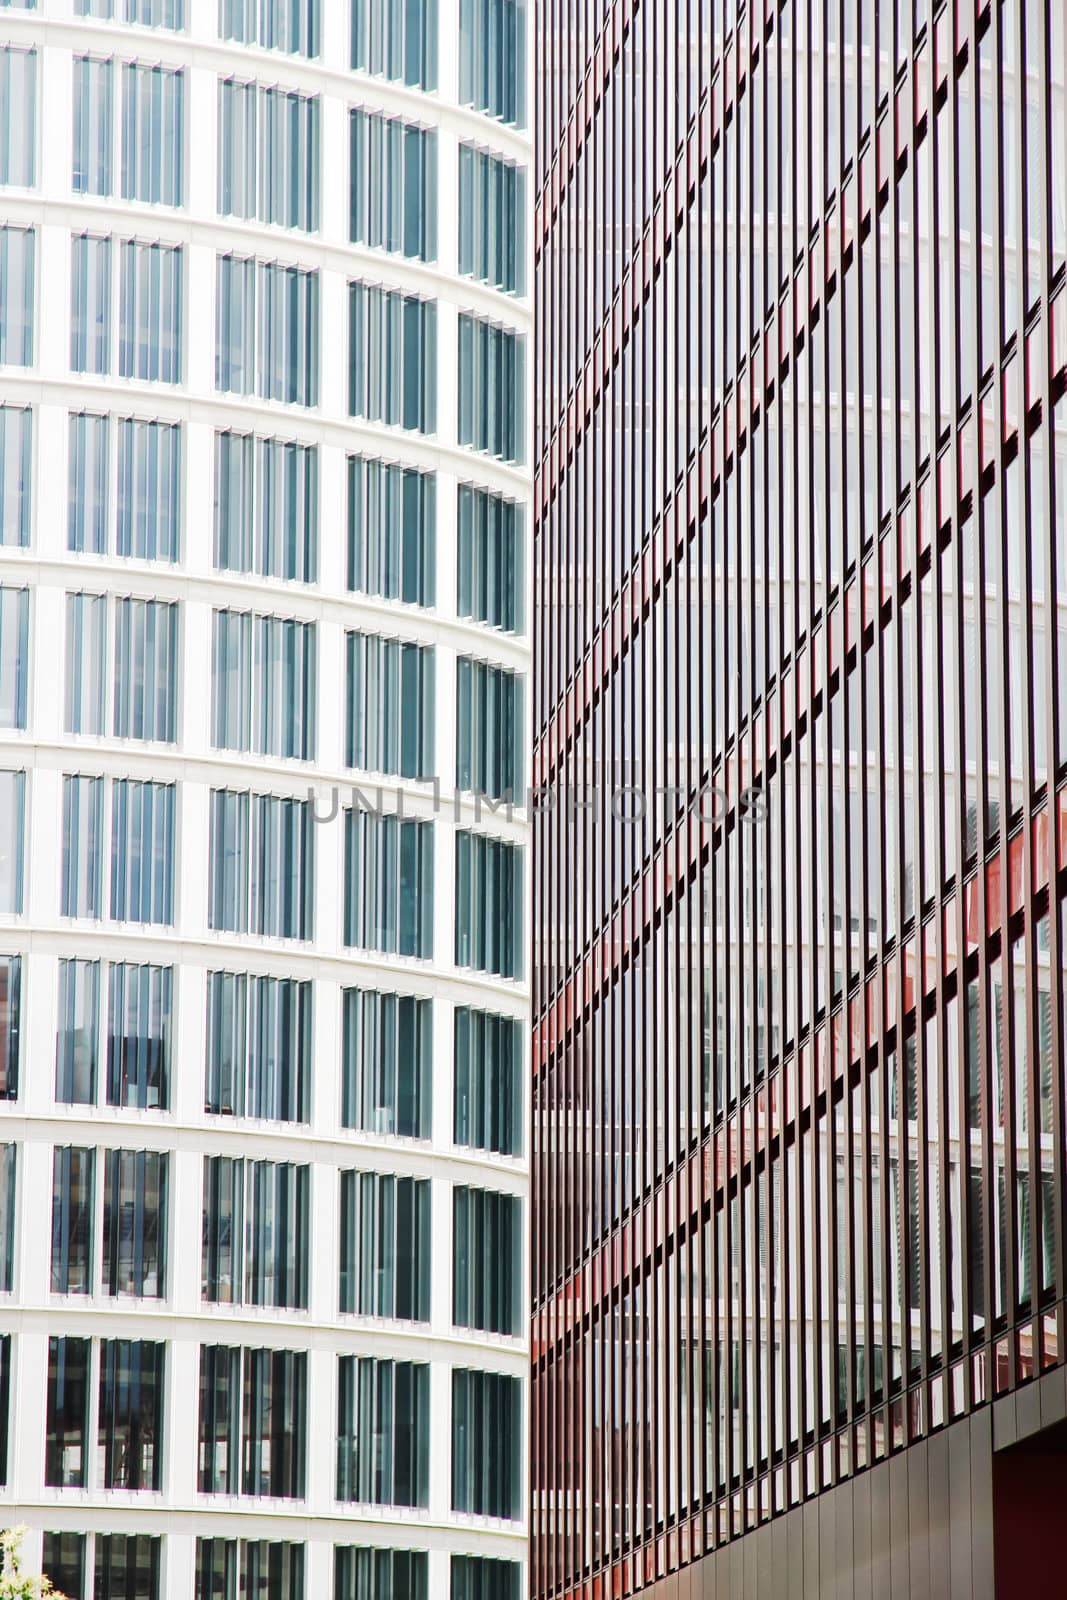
484 1578
10 1025
486 1442
135 1223
73 1211
266 507
385 1246
125 487
8 1171
16 465
18 116
142 852
391 531
388 884
67 1413
383 1574
396 39
14 655
268 155
150 14
130 1427
253 1421
383 1432
492 389
492 58
261 865
294 26
392 358
93 140
127 1564
83 836
258 1047
86 676
255 1233
153 135
145 671
267 331
78 1032
487 1111
486 1260
258 1569
393 185
5 1402
390 713
387 1068
490 559
17 257
149 319
12 827
139 1036
63 1560
489 729
263 685
488 905
492 220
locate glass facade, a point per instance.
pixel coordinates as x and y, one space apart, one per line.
263 679
798 1093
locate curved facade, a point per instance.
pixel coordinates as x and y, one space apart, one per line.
263 475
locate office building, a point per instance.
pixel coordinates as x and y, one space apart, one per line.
801 719
264 312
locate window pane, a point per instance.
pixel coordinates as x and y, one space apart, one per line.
18 116
290 25
391 531
146 670
73 1184
383 1574
150 312
130 1426
142 852
90 305
492 380
135 1223
488 1082
266 507
387 1068
263 692
14 655
12 828
383 1427
268 162
392 357
148 526
127 1565
17 259
482 1578
16 467
489 729
486 1444
396 39
138 1037
385 1246
10 1025
388 884
490 559
489 899
492 58
90 472
486 1260
78 1032
492 219
92 158
8 1174
390 706
393 188
63 1561
152 134
67 1421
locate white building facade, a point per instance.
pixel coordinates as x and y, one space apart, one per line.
264 482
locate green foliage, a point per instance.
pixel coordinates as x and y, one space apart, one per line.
13 1585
